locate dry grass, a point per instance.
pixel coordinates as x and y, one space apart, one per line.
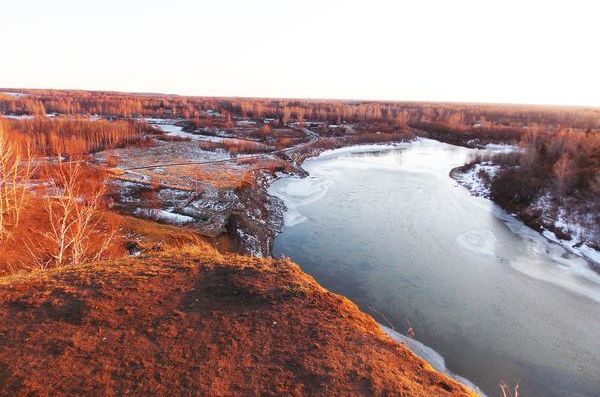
191 320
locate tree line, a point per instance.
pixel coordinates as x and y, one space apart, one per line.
73 136
452 115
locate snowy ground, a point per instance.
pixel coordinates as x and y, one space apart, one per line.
163 216
184 195
207 209
476 180
564 219
174 189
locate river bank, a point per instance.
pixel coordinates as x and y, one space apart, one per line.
542 216
188 178
410 246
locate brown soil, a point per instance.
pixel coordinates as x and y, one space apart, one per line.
190 321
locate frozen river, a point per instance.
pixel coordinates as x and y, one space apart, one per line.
388 228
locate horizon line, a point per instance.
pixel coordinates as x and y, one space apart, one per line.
316 99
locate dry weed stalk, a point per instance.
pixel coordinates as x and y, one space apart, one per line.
506 390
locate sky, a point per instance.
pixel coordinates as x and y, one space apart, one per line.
510 51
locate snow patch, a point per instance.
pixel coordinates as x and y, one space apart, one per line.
476 179
14 94
501 148
245 122
251 243
574 245
163 215
565 219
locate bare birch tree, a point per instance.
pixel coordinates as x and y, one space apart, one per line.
15 173
564 172
75 232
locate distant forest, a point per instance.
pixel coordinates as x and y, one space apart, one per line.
450 116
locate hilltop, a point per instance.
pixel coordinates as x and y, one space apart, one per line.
188 320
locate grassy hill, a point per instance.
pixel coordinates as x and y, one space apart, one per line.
188 320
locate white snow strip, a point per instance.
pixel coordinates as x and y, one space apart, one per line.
162 215
501 148
431 356
17 117
566 219
574 245
245 122
14 94
362 149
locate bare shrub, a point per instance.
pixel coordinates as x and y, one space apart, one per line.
236 146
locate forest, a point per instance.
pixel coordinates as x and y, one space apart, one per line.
556 177
454 116
73 136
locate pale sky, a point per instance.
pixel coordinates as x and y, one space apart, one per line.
515 51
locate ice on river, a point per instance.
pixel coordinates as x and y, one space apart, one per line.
296 192
479 241
171 129
551 262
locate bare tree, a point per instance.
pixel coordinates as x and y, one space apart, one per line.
564 171
265 131
75 231
300 116
15 173
402 119
285 115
